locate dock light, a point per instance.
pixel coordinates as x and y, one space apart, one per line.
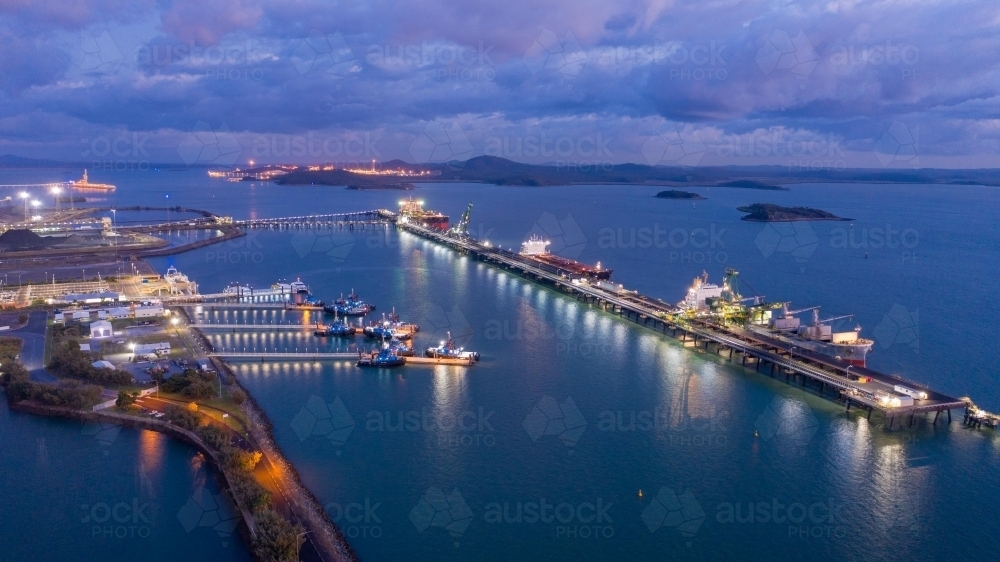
173 321
24 195
131 346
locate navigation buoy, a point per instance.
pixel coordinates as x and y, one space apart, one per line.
640 492
755 434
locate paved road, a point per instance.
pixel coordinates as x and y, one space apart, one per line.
33 350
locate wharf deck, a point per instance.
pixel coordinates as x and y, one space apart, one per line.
748 346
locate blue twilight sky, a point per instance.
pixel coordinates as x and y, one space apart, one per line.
830 84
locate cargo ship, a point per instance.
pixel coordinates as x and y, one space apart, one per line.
725 304
818 336
84 184
412 210
536 249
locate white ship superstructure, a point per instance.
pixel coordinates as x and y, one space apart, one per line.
696 299
535 246
819 335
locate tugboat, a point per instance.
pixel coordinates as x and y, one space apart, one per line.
401 349
351 306
339 328
385 358
409 329
449 350
391 328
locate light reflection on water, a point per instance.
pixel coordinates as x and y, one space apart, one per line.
629 369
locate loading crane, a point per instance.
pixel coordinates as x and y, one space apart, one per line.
461 228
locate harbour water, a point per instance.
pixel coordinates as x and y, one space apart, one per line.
540 450
76 491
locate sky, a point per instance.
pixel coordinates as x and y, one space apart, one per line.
830 84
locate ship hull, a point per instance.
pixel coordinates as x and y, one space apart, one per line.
853 354
437 223
571 267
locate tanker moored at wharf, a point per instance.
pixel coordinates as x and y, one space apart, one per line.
775 319
83 184
412 210
537 249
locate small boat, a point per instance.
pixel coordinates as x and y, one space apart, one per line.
339 328
402 326
351 306
390 328
385 358
308 302
450 350
401 349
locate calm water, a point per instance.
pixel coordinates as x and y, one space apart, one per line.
517 456
77 491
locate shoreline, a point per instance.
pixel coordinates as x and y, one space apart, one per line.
248 527
298 505
333 545
312 515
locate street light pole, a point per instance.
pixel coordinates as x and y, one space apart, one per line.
24 195
298 545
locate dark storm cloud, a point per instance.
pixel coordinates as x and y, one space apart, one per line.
703 75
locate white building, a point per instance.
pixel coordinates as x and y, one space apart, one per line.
149 311
100 329
119 312
103 364
159 347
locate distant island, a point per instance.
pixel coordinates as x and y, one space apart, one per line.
381 185
751 184
766 212
678 194
501 171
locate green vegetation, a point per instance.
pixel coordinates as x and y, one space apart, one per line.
239 396
277 539
677 194
9 348
183 417
73 394
766 212
126 399
17 380
191 384
69 361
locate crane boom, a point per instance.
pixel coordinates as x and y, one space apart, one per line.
461 228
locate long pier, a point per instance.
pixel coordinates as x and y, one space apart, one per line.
333 355
279 355
769 355
299 327
824 374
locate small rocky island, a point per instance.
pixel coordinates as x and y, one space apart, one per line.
766 212
751 184
678 194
